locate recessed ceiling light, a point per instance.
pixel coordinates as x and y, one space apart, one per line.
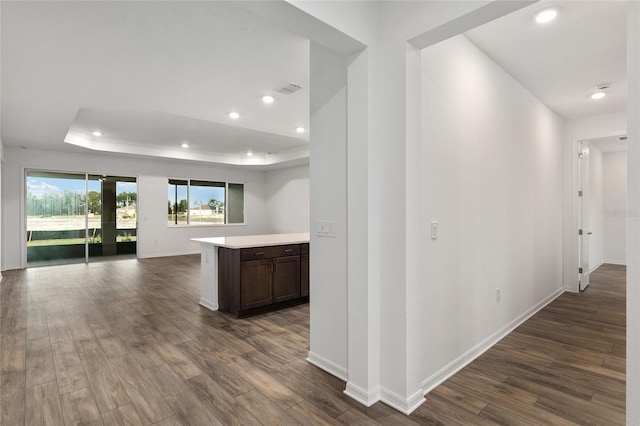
234 115
547 15
267 99
598 95
249 153
184 145
97 133
300 129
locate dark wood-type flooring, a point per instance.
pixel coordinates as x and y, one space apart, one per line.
125 343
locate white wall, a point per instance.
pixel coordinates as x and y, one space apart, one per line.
287 199
155 237
328 168
633 220
596 254
492 178
1 202
614 188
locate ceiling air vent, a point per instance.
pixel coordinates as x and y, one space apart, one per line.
289 89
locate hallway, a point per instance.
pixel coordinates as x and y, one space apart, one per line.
565 365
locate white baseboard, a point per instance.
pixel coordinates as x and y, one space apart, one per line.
404 405
213 306
12 267
165 254
462 361
596 267
329 366
364 397
606 262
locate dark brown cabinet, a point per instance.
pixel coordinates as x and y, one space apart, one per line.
257 284
259 279
304 269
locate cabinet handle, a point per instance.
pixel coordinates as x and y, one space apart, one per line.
288 250
260 253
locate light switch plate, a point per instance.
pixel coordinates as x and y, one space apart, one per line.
325 229
434 230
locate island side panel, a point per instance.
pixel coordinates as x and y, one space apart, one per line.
209 276
229 280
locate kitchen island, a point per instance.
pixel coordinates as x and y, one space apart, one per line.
246 275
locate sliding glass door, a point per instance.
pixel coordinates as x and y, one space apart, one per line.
56 219
74 217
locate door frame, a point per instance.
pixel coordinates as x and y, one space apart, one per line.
571 237
23 204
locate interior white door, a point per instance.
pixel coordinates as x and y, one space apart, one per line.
583 212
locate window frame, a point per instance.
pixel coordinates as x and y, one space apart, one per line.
170 224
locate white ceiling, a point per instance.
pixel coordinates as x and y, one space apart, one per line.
561 62
151 75
177 67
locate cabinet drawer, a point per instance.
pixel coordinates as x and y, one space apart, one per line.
304 248
256 253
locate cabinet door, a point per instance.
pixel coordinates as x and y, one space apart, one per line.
286 278
256 283
304 275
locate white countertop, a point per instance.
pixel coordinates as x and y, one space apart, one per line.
246 241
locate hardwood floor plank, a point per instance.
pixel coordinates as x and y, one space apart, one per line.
232 382
121 416
82 334
171 333
313 394
174 357
183 402
13 351
104 382
39 361
111 345
42 405
305 413
266 384
266 411
171 421
356 417
142 351
58 327
69 370
615 403
220 401
145 396
453 413
465 401
581 412
79 408
12 397
37 321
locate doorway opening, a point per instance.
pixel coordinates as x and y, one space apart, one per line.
602 213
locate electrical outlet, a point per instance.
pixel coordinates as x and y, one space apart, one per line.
497 294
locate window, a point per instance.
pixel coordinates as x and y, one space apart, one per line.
199 202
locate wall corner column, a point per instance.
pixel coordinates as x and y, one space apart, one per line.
633 213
